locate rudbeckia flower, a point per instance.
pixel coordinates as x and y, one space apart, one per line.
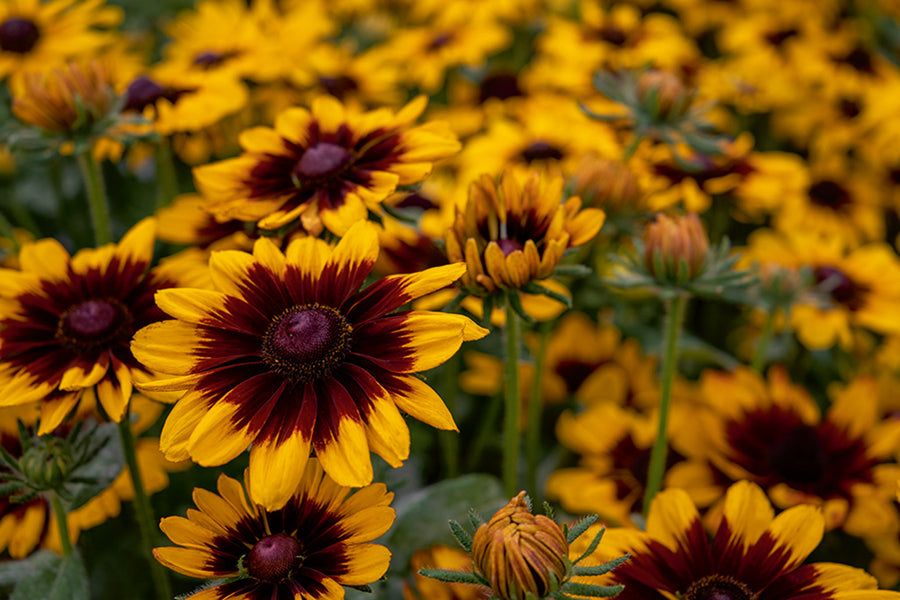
66 323
754 554
514 231
288 354
326 167
770 431
36 35
319 541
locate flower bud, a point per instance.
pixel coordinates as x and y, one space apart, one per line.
520 553
675 248
607 184
47 465
663 95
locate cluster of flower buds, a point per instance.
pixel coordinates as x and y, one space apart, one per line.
523 556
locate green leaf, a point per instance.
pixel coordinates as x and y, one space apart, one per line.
603 569
461 535
580 527
451 576
55 578
594 591
422 517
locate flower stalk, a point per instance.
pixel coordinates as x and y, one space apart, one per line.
143 512
512 335
65 538
675 309
98 205
535 404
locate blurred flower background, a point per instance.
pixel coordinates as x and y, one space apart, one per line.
390 260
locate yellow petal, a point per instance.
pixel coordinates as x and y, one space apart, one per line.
365 563
276 470
419 401
346 458
216 439
46 258
153 345
191 305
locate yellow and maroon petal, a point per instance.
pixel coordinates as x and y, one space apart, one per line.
391 292
414 341
366 563
340 438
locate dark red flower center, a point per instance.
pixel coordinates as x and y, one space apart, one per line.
93 323
143 92
319 162
799 457
840 287
18 35
499 85
210 59
439 41
829 194
718 587
340 86
541 151
509 246
273 558
307 342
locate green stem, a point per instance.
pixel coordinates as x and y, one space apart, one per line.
674 317
166 177
63 524
144 512
512 332
485 431
762 347
449 440
535 405
96 195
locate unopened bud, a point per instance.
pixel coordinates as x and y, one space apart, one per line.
607 184
675 248
46 465
520 553
663 95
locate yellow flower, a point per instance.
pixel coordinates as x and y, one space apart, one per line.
36 36
66 101
515 230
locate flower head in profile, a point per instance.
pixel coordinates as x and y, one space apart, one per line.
754 555
75 102
319 541
287 354
513 232
66 323
326 166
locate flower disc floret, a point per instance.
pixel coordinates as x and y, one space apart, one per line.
94 323
18 35
307 342
273 558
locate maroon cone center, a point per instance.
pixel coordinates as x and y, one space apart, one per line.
718 587
509 246
18 35
321 160
273 557
91 319
306 335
